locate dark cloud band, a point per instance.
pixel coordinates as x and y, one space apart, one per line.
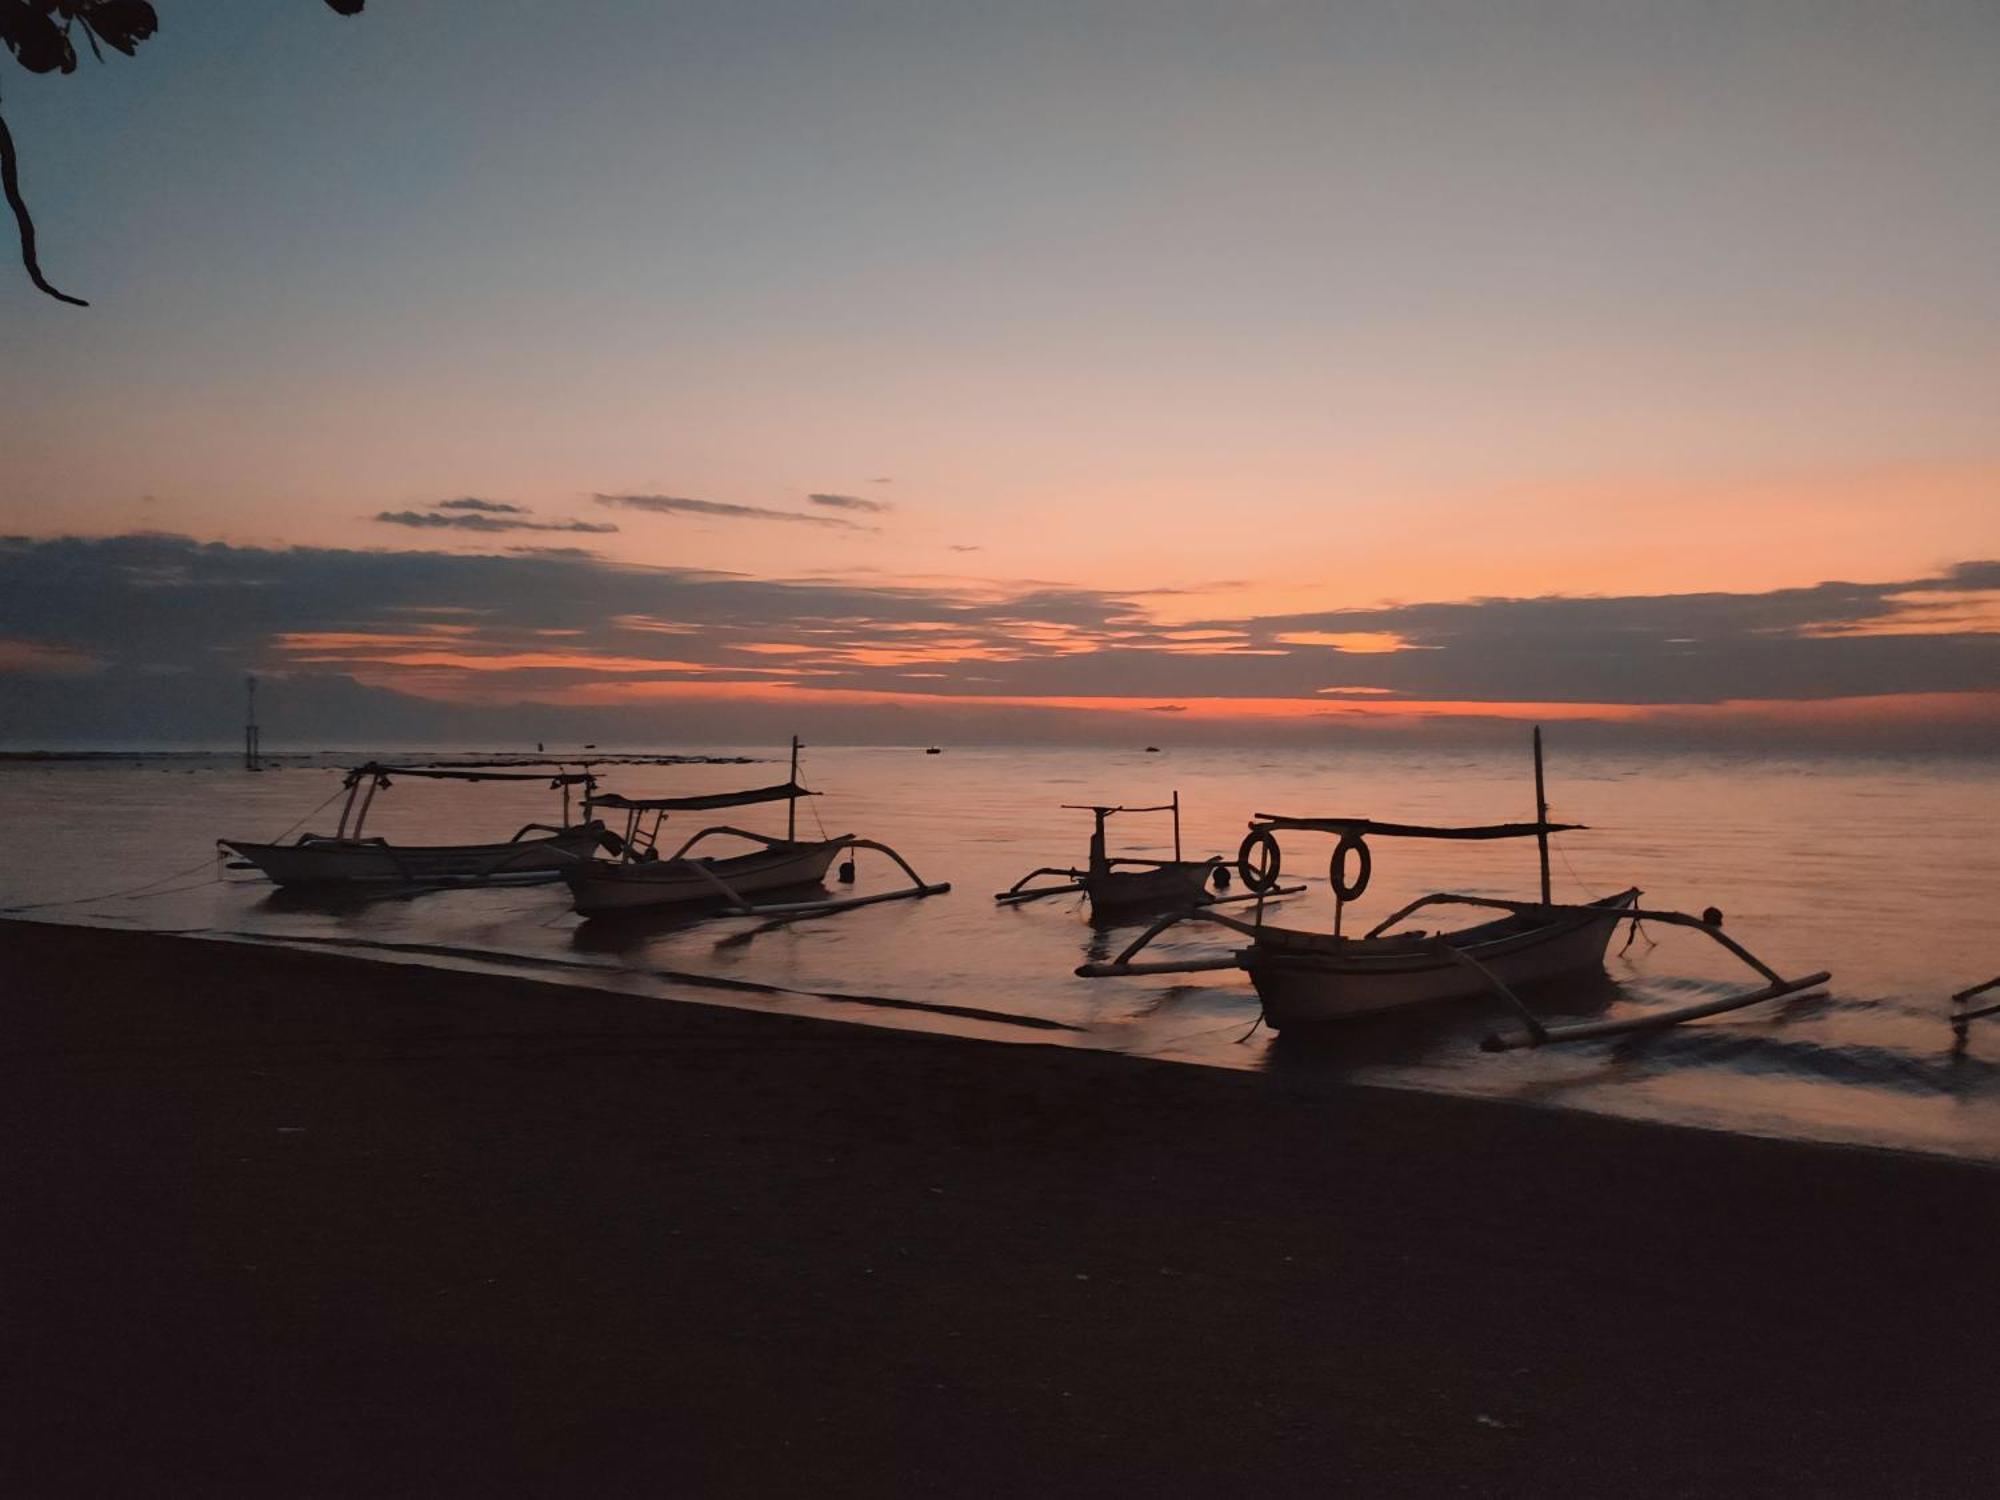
680 505
141 606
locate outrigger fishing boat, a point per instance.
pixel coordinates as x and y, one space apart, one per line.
640 878
537 852
1309 979
1127 883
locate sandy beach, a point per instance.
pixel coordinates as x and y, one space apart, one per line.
287 1223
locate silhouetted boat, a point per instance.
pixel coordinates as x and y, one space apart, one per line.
1127 883
641 879
537 851
1308 979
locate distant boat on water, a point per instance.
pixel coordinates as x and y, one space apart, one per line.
934 750
1129 883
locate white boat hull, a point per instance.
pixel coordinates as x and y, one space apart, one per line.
601 887
316 861
1311 979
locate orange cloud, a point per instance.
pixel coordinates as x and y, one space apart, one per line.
1354 642
31 659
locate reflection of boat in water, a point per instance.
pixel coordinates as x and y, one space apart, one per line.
1126 883
1307 979
642 879
537 852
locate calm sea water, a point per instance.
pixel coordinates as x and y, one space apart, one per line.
1884 870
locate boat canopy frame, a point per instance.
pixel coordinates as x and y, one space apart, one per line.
365 780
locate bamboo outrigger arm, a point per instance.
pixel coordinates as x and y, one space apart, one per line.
1538 1034
743 906
1965 1013
1123 964
1014 894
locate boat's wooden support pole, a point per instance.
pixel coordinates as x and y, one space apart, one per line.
741 833
1537 1032
1170 966
729 892
1122 964
916 887
901 864
1016 897
1658 1020
353 787
1014 891
367 801
1541 816
792 802
821 908
1177 825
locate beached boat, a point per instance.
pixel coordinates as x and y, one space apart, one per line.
537 852
640 878
1309 979
1126 883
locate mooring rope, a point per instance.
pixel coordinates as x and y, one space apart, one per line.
338 792
131 892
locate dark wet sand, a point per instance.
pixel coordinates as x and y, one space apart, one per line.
298 1224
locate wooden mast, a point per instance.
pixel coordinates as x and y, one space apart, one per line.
792 802
1177 826
1541 816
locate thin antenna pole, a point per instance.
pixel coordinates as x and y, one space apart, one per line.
1541 816
792 802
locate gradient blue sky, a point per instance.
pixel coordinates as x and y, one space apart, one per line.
1311 306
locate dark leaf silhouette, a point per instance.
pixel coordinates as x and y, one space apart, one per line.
32 35
37 32
119 23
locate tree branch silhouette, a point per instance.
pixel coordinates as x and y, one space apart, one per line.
38 34
10 180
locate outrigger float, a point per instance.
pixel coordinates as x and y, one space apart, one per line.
1309 979
538 852
1125 883
640 878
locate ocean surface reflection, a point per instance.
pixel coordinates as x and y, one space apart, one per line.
1882 869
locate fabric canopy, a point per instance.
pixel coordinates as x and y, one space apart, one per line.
1414 830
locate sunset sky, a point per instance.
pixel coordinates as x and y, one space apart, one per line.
641 368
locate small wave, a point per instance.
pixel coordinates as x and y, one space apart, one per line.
671 976
1853 1064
